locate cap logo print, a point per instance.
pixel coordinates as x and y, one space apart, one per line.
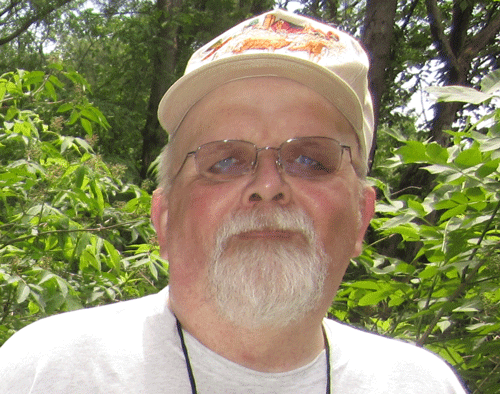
279 44
275 34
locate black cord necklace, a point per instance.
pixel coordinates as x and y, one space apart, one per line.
190 369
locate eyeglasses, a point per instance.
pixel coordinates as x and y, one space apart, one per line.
305 157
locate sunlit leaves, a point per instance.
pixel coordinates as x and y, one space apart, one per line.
446 296
72 232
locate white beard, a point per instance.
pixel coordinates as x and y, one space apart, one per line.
267 282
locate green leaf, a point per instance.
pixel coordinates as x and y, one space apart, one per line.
457 93
439 169
67 142
475 194
402 219
152 269
469 158
459 198
484 328
115 258
56 66
11 113
3 90
23 128
81 245
374 297
75 115
458 210
417 207
87 126
65 107
429 272
490 144
79 176
491 83
413 152
365 284
437 153
444 324
62 286
33 308
444 204
488 168
98 196
53 79
405 268
468 307
395 301
34 78
89 114
22 292
88 258
407 231
84 144
46 277
51 92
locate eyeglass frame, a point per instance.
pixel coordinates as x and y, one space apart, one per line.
257 150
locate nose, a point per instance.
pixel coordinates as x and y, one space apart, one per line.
267 183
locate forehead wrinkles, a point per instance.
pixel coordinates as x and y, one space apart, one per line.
238 121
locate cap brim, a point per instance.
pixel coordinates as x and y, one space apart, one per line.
192 87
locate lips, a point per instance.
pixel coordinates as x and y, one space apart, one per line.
265 228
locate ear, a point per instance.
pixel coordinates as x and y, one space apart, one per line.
159 217
367 210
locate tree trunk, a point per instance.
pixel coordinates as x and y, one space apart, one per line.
377 38
457 51
164 60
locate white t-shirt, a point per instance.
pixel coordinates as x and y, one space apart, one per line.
133 347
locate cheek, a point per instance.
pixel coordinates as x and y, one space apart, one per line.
336 215
197 214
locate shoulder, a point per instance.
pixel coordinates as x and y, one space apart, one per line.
382 361
100 320
68 343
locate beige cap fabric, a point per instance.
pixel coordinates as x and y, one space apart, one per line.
280 44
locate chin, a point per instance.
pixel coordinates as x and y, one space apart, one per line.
268 284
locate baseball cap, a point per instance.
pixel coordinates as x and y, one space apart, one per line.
279 44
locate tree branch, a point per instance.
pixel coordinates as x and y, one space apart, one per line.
480 40
9 7
437 30
409 14
78 230
35 18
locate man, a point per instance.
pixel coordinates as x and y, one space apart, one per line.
262 203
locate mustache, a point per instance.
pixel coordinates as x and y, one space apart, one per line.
277 218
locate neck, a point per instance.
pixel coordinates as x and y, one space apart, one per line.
264 349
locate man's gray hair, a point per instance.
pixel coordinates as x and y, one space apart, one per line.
166 165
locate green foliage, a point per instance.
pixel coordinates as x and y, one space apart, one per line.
72 233
75 233
441 286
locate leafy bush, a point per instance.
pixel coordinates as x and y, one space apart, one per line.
72 233
447 296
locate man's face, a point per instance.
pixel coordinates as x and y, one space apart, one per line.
265 111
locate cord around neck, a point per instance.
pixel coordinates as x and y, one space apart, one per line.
189 368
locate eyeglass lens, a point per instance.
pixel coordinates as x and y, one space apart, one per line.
307 157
